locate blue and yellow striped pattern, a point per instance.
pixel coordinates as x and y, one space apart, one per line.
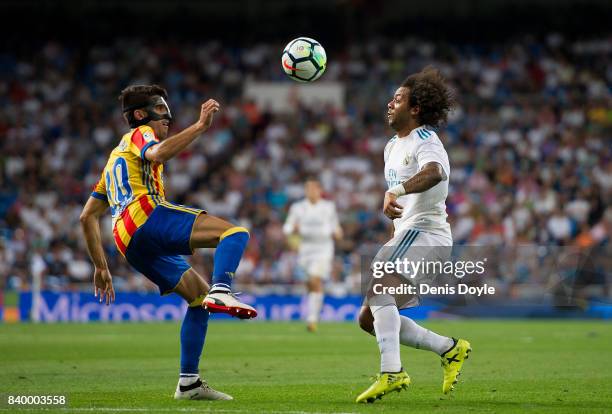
182 208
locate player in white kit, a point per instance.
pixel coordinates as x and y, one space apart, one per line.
316 222
416 171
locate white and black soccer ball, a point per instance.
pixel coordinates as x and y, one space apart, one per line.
304 59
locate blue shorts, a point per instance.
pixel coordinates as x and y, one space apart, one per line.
156 248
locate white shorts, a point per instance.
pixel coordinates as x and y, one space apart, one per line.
316 266
414 246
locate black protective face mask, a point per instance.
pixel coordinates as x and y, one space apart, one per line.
151 114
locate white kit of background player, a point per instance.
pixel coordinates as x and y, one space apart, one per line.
315 220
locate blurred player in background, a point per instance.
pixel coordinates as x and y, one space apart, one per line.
315 220
417 172
153 234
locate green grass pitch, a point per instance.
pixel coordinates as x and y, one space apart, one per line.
516 366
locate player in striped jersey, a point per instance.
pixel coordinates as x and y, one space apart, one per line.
154 234
417 171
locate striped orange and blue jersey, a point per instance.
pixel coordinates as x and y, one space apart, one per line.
132 185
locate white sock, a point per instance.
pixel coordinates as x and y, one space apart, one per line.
387 327
414 335
315 303
188 379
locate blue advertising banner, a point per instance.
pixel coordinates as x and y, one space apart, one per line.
84 307
140 307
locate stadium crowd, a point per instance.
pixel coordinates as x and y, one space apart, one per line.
529 147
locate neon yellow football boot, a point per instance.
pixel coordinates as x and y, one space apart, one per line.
384 384
452 361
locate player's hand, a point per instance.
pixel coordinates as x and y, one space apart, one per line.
207 112
338 233
391 207
103 286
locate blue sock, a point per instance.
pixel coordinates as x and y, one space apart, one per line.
227 256
193 334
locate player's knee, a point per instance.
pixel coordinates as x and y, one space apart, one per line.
315 284
192 287
366 320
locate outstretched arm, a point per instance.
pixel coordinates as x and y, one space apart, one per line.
90 223
172 146
430 175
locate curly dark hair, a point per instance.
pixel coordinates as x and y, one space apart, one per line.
135 96
428 90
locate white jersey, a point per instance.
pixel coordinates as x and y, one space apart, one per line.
316 225
404 157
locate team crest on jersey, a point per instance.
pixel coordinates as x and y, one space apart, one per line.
407 159
148 136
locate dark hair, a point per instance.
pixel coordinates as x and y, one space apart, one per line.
138 96
428 90
312 177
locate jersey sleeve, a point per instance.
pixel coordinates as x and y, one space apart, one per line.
432 150
99 189
289 226
141 140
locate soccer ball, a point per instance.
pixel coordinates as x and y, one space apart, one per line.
304 59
